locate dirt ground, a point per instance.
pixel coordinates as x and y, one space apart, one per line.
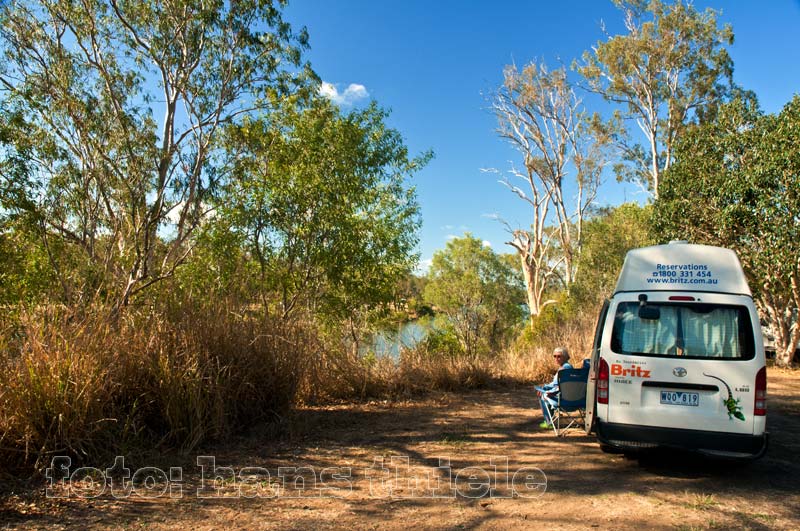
444 462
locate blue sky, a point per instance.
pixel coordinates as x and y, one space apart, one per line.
433 64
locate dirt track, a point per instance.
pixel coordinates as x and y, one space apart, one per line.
585 488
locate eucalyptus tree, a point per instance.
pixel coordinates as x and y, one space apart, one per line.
670 68
563 155
735 183
116 108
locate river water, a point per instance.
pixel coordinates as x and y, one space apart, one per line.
406 335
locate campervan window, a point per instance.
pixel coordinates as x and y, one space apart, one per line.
689 330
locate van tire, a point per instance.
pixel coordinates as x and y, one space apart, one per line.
608 449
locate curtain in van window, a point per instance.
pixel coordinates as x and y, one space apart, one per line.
648 336
713 334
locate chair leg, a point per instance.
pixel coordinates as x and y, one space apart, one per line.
573 421
562 425
555 417
552 414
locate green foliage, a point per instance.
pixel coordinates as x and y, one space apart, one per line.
553 317
319 200
25 272
443 340
735 184
608 237
481 294
110 130
410 295
219 269
703 191
669 69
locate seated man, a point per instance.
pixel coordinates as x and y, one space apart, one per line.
548 393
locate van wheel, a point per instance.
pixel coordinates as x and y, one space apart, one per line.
608 449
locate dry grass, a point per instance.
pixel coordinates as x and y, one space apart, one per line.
346 377
90 385
526 365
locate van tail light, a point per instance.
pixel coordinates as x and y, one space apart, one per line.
760 408
602 382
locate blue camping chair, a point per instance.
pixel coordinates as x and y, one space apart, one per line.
571 402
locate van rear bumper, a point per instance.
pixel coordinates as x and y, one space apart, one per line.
634 437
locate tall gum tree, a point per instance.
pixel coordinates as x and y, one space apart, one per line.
116 107
670 68
540 114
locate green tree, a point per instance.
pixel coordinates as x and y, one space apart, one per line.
736 183
25 272
220 271
116 110
480 292
671 67
608 238
321 201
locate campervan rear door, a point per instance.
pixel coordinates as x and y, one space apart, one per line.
683 364
591 384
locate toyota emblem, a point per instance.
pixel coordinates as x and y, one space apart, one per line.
680 372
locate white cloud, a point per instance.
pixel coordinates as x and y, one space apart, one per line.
326 90
451 237
174 213
487 243
424 266
353 93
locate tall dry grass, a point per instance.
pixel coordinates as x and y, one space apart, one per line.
89 386
338 376
86 386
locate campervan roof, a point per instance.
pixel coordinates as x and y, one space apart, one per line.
680 266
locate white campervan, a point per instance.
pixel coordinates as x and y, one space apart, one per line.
678 357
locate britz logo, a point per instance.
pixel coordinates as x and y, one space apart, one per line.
617 370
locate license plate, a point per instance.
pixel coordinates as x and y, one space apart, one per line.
680 398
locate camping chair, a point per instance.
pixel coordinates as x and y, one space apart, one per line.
571 401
